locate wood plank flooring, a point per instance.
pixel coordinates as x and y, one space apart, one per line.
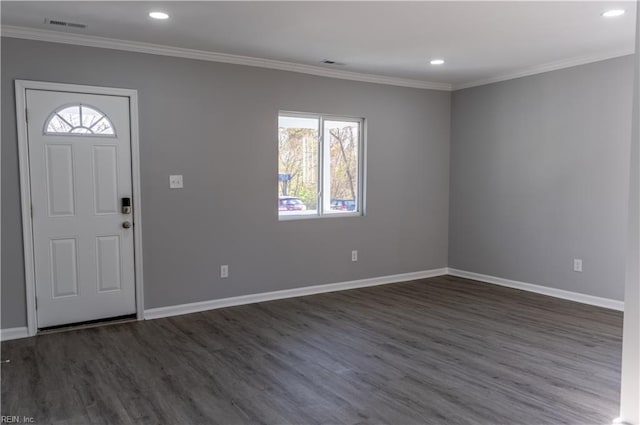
436 351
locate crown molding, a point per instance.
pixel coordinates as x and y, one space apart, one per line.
157 49
550 66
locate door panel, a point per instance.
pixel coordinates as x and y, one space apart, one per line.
64 267
108 249
80 165
60 181
105 179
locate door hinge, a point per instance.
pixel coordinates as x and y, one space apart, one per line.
31 211
36 303
26 115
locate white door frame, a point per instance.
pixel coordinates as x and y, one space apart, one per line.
21 87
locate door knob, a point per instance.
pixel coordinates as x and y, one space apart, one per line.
126 224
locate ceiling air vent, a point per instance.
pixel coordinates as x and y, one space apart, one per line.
330 62
59 23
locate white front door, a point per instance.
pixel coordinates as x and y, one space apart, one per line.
80 171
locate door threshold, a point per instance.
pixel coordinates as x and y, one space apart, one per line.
88 325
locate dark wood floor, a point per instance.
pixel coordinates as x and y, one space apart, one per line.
436 351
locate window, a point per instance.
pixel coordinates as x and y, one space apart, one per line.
81 120
319 165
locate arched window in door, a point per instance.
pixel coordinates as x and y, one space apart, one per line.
80 120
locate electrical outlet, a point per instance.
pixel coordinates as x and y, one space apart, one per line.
175 181
224 271
577 265
354 255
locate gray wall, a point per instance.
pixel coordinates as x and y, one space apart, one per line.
217 125
539 176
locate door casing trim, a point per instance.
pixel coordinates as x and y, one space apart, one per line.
21 87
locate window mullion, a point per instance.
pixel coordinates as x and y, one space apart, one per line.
326 169
320 197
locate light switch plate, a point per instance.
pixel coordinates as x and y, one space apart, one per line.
175 181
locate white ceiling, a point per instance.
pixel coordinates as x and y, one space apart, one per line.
478 40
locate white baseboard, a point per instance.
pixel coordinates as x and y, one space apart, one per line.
176 310
13 333
545 290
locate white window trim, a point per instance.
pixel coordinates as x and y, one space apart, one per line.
21 87
322 164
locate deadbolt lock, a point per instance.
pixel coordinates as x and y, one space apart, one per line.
126 205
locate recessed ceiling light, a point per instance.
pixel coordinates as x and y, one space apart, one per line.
437 62
159 15
613 13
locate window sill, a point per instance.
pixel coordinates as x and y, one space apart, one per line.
312 216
